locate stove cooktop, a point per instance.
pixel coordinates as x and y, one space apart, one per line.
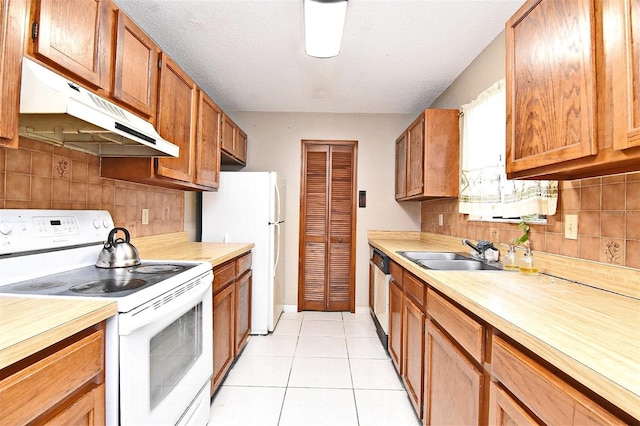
98 282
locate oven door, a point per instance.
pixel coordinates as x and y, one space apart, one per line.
166 356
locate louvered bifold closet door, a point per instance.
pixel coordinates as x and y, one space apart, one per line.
340 227
314 256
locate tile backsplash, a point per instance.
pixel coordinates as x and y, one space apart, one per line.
41 176
608 210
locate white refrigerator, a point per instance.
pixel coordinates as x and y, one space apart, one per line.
249 208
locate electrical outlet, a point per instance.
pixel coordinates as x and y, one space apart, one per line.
571 226
145 216
440 219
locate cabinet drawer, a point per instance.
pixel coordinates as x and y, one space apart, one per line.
396 273
414 288
552 399
465 330
223 275
31 391
243 264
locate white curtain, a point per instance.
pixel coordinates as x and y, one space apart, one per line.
484 188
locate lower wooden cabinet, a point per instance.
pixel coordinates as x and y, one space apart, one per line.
223 334
457 370
231 314
504 411
243 310
413 353
87 410
396 306
453 384
541 392
62 384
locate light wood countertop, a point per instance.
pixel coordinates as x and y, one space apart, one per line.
176 247
591 334
28 325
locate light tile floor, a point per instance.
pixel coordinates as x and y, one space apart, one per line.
316 368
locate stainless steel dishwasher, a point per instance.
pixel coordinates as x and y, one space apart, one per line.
379 294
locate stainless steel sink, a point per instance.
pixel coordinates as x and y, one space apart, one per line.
458 265
431 255
448 261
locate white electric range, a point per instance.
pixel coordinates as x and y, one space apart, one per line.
159 346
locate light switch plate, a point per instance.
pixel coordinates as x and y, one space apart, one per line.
440 219
571 226
145 216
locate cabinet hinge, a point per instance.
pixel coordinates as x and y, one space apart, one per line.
159 63
34 30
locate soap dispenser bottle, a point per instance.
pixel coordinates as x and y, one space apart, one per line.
510 259
527 265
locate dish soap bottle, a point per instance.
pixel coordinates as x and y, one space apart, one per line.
527 265
510 260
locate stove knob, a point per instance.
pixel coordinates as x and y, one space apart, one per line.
5 228
96 223
106 223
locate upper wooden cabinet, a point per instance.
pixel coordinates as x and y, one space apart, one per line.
187 118
13 14
73 37
233 145
622 36
401 167
572 89
427 157
208 142
177 105
135 70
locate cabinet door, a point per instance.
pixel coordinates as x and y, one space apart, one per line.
223 334
396 304
415 157
504 411
87 410
243 310
228 135
241 146
135 76
551 95
208 142
622 36
454 386
13 15
177 119
401 167
413 353
73 35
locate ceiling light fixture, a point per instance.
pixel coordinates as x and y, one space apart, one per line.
323 27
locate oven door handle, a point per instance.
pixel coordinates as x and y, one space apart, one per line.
168 307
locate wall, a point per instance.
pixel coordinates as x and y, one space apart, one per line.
41 176
275 144
608 208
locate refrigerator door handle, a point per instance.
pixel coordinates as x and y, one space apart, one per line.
277 201
277 243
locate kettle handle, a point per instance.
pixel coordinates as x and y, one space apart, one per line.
110 240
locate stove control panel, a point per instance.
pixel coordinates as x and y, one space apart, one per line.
36 230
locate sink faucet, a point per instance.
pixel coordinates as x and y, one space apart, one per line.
480 248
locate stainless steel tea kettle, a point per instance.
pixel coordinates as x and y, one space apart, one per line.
118 253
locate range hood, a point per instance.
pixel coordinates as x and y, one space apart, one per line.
58 111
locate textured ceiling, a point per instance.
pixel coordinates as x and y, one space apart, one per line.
397 55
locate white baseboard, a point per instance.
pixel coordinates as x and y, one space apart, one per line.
294 308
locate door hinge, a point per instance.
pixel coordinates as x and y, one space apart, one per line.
34 30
